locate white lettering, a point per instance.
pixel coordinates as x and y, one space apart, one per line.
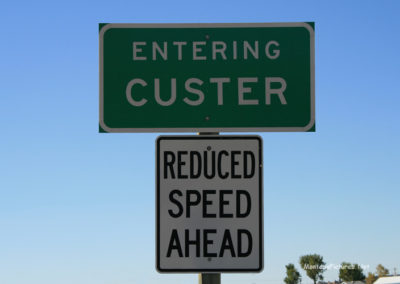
220 92
197 49
163 53
279 92
194 91
276 52
129 92
157 92
137 49
194 95
220 50
247 47
179 44
234 50
243 90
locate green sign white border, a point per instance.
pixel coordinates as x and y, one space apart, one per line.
209 129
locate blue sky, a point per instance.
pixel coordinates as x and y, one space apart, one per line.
77 206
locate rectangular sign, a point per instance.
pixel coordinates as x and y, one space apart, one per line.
207 77
209 196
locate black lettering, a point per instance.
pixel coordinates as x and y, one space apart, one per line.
252 164
176 202
220 174
174 244
234 163
207 202
238 204
189 242
169 164
206 174
227 244
208 242
194 174
249 241
190 202
223 202
180 164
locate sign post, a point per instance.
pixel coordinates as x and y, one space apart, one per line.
210 278
209 204
207 78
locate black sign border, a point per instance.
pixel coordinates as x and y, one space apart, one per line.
261 211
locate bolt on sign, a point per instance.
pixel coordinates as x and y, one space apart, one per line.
207 77
209 204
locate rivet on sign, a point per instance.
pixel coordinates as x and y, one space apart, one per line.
207 118
208 148
207 37
209 259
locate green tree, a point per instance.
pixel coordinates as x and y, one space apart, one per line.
381 271
351 272
314 266
292 275
371 278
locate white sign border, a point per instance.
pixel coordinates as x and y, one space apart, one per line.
307 26
261 201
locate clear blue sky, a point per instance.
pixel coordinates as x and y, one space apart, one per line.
77 206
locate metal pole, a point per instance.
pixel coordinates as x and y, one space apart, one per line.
209 278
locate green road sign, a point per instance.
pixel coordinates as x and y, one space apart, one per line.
207 77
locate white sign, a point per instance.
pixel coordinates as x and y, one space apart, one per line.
209 204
